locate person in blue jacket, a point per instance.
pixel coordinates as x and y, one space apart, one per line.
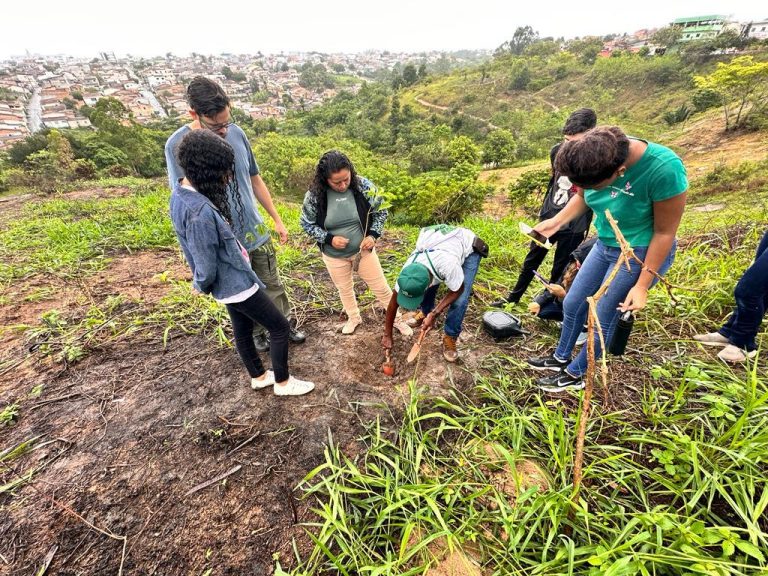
202 218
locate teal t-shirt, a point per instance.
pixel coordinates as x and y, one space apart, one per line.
658 175
342 219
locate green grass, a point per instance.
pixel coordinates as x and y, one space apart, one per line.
675 476
72 237
678 489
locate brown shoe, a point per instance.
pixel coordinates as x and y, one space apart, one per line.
449 348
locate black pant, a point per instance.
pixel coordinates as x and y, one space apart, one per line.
565 243
259 308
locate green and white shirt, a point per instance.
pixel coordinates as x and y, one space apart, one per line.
658 175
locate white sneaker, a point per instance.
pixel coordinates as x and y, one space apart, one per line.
711 339
294 387
402 327
733 353
583 335
268 380
351 325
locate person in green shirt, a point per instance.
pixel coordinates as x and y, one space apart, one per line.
644 186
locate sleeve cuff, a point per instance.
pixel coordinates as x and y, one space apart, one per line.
328 238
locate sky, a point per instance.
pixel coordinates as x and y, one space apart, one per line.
156 27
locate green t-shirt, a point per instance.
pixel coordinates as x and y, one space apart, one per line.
658 175
342 219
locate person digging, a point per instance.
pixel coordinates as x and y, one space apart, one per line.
444 255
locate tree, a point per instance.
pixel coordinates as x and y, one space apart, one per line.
523 37
463 149
227 72
50 167
410 76
520 75
315 77
667 36
585 49
500 148
742 85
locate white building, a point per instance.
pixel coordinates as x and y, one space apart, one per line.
757 29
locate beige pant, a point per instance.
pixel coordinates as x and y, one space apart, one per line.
369 270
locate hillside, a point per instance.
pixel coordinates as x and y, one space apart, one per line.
133 444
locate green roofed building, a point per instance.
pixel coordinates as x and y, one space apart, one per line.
700 27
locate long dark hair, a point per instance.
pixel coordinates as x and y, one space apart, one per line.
593 158
208 162
330 163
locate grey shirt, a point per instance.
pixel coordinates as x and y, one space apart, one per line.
253 232
343 220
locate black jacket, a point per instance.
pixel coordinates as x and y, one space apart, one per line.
554 201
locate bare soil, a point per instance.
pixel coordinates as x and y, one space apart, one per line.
125 436
168 446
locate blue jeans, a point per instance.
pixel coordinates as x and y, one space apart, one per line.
751 295
457 310
592 274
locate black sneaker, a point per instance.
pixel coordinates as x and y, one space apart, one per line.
561 382
501 302
548 363
261 342
295 335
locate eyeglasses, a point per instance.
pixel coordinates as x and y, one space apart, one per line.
215 127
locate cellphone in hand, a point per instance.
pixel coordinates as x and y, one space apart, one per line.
536 237
541 278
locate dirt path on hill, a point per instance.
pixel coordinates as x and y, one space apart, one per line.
446 109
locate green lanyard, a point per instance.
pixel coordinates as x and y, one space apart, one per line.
426 253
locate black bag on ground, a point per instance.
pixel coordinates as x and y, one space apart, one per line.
500 324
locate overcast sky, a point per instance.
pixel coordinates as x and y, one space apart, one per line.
155 27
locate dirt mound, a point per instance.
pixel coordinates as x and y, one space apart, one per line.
455 564
508 480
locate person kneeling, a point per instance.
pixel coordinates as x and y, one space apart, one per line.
548 304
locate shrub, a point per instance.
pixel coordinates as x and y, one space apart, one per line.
83 169
529 188
676 116
705 99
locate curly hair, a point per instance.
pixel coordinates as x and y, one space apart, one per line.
208 162
595 157
331 162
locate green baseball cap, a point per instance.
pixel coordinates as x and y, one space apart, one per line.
411 285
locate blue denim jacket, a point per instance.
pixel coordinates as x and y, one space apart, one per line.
209 246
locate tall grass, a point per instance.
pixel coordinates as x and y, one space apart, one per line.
683 491
675 478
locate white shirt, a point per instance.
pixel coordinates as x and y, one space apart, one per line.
443 249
